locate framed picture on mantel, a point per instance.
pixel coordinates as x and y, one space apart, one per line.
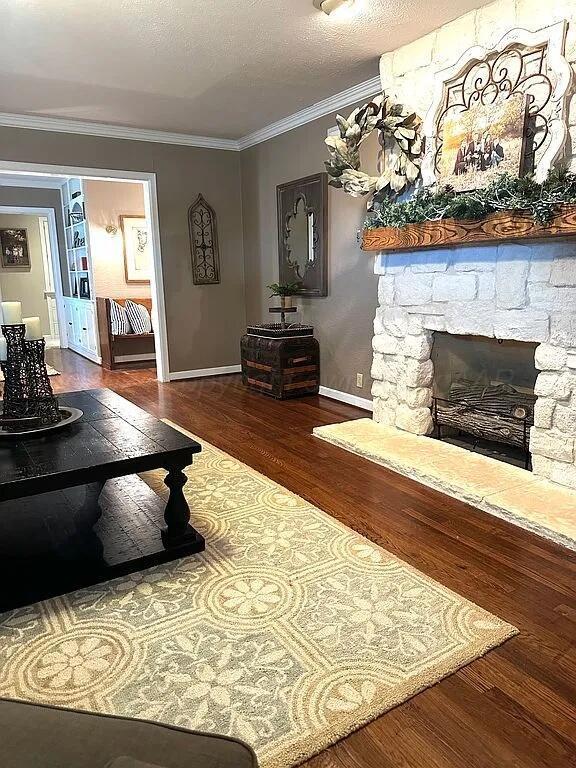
303 234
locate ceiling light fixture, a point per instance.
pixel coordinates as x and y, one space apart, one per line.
329 6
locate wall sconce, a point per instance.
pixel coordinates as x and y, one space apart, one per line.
112 230
329 6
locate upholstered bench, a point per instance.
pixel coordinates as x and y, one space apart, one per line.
113 348
38 736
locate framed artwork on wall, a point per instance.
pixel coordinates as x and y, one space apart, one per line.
137 249
14 248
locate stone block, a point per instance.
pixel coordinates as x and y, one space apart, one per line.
459 34
563 474
413 289
415 324
395 321
377 370
512 276
564 419
383 413
571 360
563 329
564 269
386 290
417 373
552 444
396 263
426 309
418 397
418 421
383 389
543 412
558 386
542 296
475 317
478 258
393 367
542 467
486 286
454 287
522 324
550 358
413 55
434 323
430 261
493 22
385 344
418 347
540 267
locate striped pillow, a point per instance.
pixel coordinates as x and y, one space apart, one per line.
139 317
119 319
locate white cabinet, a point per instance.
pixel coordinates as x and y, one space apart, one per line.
81 327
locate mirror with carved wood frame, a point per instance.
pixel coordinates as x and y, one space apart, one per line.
303 234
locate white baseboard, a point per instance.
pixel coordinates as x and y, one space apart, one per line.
134 358
200 372
344 397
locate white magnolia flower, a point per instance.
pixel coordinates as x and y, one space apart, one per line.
250 597
75 663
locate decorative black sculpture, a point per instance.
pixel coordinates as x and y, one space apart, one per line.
28 393
15 403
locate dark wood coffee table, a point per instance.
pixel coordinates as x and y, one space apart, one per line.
73 511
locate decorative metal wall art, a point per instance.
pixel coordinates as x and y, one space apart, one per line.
303 235
529 63
204 243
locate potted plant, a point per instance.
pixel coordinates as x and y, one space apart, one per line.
285 291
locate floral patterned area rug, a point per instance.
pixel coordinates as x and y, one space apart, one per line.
289 631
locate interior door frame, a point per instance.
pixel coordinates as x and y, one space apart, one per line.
151 211
50 214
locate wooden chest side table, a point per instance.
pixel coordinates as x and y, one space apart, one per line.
281 368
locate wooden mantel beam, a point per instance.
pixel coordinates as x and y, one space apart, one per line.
495 228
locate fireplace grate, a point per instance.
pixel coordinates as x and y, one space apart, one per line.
496 412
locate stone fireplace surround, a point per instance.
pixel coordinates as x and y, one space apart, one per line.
524 292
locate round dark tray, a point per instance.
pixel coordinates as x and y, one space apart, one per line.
69 416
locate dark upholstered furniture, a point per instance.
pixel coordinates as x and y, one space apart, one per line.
113 347
37 736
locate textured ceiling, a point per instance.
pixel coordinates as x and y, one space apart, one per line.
219 68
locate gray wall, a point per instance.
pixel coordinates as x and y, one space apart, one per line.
39 198
26 284
344 319
204 322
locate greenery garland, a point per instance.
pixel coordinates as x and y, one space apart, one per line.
505 193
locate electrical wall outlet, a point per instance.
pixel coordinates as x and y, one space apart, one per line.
360 380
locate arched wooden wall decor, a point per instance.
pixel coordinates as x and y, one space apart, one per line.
203 243
531 63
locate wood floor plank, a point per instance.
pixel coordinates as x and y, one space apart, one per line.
515 707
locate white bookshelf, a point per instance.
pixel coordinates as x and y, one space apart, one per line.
79 299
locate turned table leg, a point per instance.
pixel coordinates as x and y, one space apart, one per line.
177 513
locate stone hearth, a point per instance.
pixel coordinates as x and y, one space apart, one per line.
512 291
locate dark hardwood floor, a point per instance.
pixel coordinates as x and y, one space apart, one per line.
516 706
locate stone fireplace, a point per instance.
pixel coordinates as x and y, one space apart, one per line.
516 292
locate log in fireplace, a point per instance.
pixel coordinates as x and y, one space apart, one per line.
484 389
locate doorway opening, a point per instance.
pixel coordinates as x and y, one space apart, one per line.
103 244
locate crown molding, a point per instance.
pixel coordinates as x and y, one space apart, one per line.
62 125
322 108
